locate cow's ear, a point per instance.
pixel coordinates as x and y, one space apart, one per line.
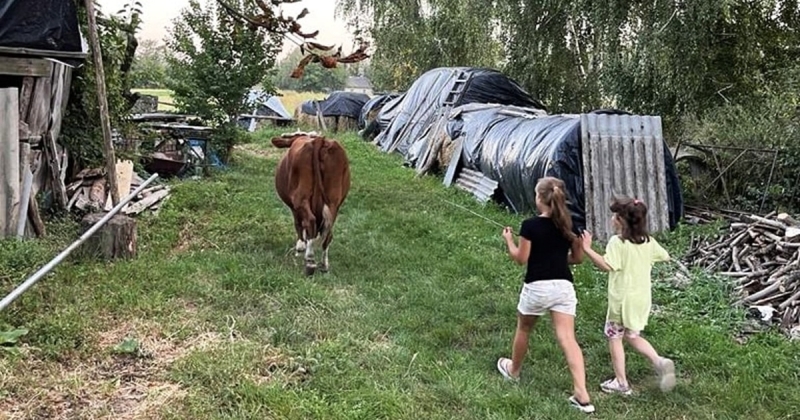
282 142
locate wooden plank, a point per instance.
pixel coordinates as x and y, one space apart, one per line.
42 53
650 199
124 177
54 171
455 160
661 168
25 98
39 115
9 161
102 99
60 95
630 166
619 163
26 67
586 157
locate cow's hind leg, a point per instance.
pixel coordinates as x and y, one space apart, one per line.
329 217
311 263
300 246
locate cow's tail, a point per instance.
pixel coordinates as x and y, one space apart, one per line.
320 200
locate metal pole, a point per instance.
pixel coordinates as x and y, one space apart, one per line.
44 270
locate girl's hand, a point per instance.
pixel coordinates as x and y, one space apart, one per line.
507 233
586 238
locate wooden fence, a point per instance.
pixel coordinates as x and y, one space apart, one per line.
623 155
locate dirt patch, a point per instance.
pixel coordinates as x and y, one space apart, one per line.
117 382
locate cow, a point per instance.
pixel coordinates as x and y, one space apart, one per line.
313 180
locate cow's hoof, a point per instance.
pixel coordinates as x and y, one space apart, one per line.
324 268
310 269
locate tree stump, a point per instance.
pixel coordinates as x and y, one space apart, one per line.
114 240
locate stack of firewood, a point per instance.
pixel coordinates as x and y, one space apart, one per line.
762 254
89 193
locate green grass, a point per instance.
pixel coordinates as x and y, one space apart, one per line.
419 305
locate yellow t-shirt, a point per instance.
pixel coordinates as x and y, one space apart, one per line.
629 297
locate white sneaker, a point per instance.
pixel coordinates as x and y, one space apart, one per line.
612 385
666 374
587 408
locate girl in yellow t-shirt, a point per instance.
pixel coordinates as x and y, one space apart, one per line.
629 257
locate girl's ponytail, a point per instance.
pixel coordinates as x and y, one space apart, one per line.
561 214
552 192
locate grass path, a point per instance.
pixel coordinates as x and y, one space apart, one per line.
408 325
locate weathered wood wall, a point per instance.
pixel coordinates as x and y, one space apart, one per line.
41 103
623 155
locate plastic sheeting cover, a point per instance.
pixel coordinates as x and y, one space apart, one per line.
516 151
372 104
272 103
405 119
40 24
348 104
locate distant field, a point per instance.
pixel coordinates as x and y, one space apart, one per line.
289 98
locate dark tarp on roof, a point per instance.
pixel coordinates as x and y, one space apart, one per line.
374 103
339 103
50 25
406 119
517 150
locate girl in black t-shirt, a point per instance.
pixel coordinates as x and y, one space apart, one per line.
547 245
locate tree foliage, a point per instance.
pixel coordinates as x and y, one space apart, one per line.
150 69
81 132
215 61
315 79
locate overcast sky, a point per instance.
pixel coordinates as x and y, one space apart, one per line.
157 16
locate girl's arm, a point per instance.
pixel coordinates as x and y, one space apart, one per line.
518 254
576 253
596 258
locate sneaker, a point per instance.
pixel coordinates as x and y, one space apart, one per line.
503 365
587 408
666 374
611 386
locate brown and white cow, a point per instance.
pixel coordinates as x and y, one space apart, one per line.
313 179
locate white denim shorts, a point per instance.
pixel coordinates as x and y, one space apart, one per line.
539 297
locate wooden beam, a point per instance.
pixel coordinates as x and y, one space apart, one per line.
9 161
108 146
26 67
42 53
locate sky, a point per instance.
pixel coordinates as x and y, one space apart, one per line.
157 16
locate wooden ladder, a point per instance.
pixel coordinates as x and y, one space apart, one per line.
459 87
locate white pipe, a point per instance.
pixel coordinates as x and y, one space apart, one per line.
44 270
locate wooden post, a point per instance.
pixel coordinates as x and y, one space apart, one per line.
9 161
108 146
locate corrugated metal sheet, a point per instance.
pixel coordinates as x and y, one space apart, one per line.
623 155
481 186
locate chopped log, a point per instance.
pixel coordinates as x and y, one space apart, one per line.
115 240
36 218
788 220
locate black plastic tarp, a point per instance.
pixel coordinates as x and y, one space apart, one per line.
374 103
348 104
50 25
516 150
404 120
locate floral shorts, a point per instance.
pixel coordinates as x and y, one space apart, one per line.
615 330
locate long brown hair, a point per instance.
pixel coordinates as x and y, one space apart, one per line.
632 214
551 191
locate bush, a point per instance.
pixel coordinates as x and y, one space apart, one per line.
215 61
770 121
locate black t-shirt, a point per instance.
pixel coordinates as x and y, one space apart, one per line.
549 250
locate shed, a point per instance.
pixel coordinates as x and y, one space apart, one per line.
36 61
268 110
407 123
598 155
339 111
